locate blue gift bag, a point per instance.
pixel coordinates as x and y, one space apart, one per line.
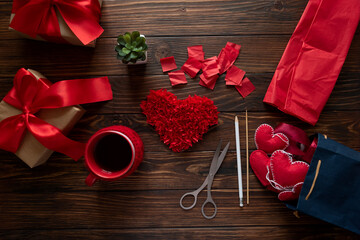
331 190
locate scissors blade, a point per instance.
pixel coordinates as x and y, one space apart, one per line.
215 165
222 157
214 161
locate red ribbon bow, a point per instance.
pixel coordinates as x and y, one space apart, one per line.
30 95
38 17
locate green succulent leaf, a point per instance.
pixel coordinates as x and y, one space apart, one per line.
138 49
121 40
143 57
126 51
129 46
128 57
122 54
127 37
134 55
140 41
145 47
134 35
118 48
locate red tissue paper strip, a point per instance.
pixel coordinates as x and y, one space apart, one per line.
245 88
313 58
194 63
208 82
196 52
191 67
234 76
210 67
177 77
168 64
228 56
180 123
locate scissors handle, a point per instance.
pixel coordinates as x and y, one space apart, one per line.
210 201
194 194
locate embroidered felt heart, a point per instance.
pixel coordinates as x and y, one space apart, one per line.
286 172
268 141
260 164
180 123
292 194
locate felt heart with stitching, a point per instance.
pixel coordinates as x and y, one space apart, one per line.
268 141
180 123
286 172
260 164
292 194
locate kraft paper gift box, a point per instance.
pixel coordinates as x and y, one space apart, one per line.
66 34
331 189
30 150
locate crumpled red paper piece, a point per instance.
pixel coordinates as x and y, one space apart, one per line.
180 123
194 63
228 56
196 52
191 67
245 88
208 82
234 76
213 67
210 67
168 64
177 77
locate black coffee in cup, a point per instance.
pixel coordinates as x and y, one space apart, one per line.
113 152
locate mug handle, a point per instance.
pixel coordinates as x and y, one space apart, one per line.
91 179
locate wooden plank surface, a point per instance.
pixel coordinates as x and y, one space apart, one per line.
52 202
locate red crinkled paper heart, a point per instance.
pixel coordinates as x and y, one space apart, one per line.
266 140
180 123
286 172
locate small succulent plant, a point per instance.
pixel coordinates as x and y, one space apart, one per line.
131 47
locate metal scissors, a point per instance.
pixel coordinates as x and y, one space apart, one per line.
215 165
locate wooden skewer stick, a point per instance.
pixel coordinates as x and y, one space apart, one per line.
247 159
238 158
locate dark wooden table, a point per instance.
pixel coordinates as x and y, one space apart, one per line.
52 202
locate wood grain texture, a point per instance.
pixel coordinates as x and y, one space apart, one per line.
52 201
158 17
225 233
258 54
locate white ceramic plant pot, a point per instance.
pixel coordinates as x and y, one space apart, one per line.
138 62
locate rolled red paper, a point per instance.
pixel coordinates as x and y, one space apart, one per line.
313 58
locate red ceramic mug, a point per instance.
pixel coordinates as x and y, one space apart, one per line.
113 153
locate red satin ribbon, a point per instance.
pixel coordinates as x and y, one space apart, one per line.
296 136
30 95
38 17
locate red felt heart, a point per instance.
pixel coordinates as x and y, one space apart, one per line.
260 164
180 123
292 194
286 172
266 140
